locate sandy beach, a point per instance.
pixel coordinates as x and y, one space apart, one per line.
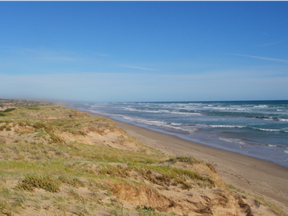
115 167
254 176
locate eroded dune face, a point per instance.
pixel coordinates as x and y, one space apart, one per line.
204 202
95 168
166 194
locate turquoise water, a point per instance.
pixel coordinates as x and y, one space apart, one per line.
255 128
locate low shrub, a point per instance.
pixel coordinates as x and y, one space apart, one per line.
30 182
9 110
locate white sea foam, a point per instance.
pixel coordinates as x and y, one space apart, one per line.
227 108
130 109
176 124
227 126
97 112
186 113
161 124
147 111
231 140
281 119
274 146
286 151
261 106
267 129
161 111
201 125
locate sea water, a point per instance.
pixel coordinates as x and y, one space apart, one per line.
255 128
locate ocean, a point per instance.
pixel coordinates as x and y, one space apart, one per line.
254 128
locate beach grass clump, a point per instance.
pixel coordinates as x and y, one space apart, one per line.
8 128
146 211
73 131
107 154
115 171
40 125
5 208
189 160
2 127
33 108
167 175
55 139
30 182
211 167
75 182
9 110
160 175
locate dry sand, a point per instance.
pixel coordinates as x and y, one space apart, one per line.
254 176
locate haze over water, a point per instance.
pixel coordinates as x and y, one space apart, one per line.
255 128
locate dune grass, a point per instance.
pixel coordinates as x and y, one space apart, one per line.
42 171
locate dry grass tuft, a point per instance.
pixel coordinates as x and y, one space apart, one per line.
30 182
75 182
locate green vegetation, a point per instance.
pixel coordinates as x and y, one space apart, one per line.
9 110
33 181
63 162
75 182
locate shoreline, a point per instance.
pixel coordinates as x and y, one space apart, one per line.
254 176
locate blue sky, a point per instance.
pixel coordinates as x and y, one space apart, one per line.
144 51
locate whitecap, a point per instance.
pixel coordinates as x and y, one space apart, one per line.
161 124
186 113
176 124
235 109
162 111
227 126
233 140
274 146
270 130
261 106
130 109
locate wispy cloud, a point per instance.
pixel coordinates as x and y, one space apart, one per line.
138 68
270 44
43 54
263 58
60 58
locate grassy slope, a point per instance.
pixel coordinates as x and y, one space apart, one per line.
57 161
